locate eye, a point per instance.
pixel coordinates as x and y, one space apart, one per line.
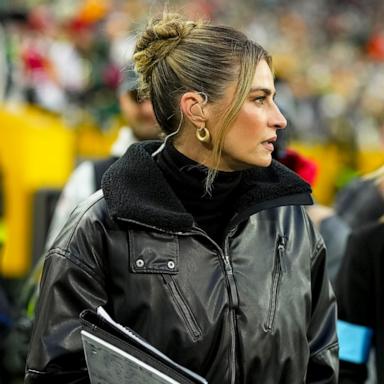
259 100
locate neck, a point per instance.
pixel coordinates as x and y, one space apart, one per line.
189 146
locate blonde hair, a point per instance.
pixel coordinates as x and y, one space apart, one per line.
173 56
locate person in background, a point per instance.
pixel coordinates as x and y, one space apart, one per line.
362 201
199 243
291 158
358 204
335 232
359 290
86 178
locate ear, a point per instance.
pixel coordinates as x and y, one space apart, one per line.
192 106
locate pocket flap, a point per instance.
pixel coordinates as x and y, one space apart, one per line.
153 252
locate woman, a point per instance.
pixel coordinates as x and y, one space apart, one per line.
200 245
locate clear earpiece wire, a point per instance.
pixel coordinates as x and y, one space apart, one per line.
162 146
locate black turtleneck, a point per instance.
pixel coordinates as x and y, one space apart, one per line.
187 179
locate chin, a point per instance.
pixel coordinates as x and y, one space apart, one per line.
246 163
253 164
266 162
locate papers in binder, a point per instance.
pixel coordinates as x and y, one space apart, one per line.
110 365
117 355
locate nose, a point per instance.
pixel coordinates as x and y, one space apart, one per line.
278 119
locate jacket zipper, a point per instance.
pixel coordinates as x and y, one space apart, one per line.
183 307
231 285
233 296
280 267
234 304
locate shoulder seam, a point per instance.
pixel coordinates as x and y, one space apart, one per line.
79 219
74 260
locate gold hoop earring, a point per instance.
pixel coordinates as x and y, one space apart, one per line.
203 135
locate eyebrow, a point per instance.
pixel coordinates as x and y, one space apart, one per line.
267 91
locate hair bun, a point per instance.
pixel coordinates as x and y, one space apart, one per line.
159 39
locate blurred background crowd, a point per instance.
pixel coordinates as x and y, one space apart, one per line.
61 63
66 56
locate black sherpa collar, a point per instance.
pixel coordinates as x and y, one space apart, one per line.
135 189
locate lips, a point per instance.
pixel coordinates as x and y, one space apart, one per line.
268 144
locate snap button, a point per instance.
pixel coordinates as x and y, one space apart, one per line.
171 264
140 263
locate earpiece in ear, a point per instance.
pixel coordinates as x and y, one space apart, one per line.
205 96
205 101
197 104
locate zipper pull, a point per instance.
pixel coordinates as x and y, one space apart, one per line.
228 266
281 250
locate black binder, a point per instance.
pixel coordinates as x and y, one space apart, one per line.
117 355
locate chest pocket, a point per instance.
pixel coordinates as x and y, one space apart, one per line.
153 252
158 253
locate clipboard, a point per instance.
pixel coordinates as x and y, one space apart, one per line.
117 355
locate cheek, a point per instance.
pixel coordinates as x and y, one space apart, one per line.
251 131
248 126
134 114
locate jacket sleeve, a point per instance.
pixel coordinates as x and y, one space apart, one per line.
354 289
72 280
323 362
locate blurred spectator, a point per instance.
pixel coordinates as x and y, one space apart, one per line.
362 201
85 180
359 203
71 55
306 168
360 289
335 233
99 74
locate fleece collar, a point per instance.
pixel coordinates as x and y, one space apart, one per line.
135 189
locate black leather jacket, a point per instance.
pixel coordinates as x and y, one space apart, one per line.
256 309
